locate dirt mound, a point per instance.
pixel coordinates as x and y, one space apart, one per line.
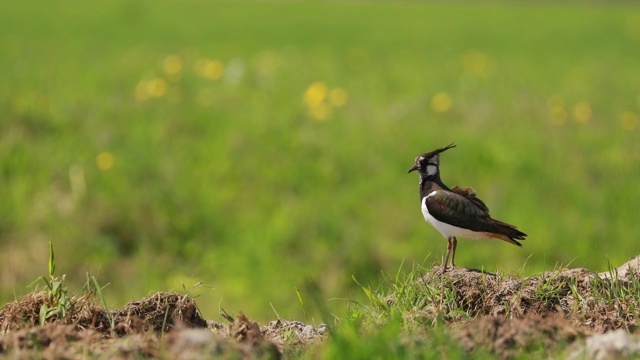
502 315
158 312
592 302
161 324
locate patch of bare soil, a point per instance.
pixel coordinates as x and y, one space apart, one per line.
165 325
509 337
503 315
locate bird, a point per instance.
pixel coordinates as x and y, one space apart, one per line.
457 211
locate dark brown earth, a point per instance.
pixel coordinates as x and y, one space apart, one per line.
162 325
499 314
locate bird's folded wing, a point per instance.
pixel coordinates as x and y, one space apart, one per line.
458 210
470 194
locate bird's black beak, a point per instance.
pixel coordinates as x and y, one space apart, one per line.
414 168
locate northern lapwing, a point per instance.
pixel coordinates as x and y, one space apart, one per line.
457 212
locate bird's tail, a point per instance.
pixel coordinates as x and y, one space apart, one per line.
508 233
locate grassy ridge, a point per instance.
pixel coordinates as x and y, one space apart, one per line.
221 169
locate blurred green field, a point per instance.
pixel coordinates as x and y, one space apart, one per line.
261 147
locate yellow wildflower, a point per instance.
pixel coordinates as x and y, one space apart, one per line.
104 160
156 87
582 112
315 94
441 102
210 69
172 66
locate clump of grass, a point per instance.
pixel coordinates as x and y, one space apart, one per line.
611 295
57 302
94 288
390 340
550 289
402 317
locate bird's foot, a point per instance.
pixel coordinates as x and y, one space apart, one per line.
444 269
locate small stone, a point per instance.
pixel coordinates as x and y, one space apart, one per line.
611 345
195 336
308 331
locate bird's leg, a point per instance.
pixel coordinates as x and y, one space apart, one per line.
453 252
446 259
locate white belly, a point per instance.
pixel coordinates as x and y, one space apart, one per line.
449 230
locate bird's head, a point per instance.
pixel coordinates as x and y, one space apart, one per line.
428 163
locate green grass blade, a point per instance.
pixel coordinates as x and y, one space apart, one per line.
304 311
98 290
52 260
44 310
